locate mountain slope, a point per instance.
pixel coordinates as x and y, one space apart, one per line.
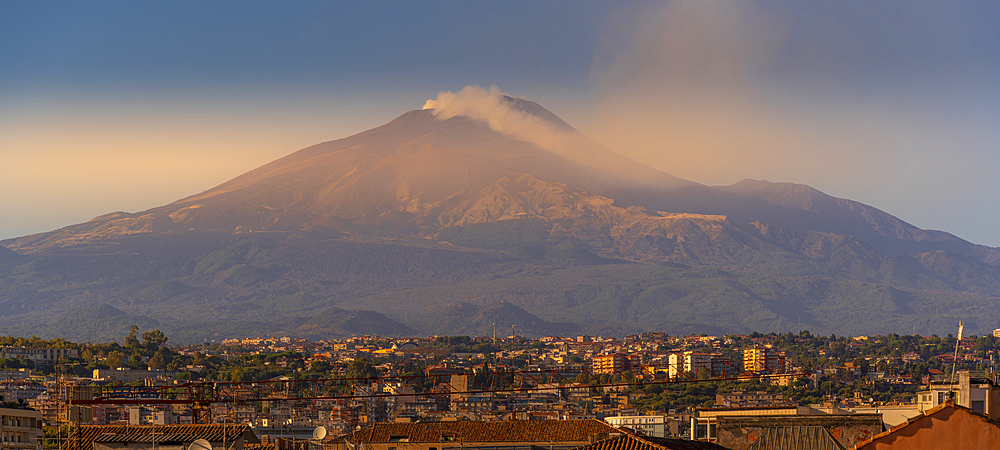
808 209
444 223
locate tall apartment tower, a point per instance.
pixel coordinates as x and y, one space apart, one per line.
759 359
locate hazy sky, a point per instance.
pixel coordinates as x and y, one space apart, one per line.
108 106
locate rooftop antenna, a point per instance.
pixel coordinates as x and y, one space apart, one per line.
954 360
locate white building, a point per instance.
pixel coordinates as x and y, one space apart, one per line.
973 391
702 364
647 425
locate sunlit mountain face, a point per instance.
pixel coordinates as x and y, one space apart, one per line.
491 206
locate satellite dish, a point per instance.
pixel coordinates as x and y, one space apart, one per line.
200 444
319 433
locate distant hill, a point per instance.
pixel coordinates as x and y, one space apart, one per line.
444 225
811 210
102 323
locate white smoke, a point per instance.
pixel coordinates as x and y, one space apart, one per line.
495 109
503 115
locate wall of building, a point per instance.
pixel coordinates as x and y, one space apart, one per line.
739 432
20 429
945 429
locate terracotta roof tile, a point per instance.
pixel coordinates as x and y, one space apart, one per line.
84 436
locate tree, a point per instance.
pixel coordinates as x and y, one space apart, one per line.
361 368
135 362
156 361
131 342
152 340
862 365
320 366
114 360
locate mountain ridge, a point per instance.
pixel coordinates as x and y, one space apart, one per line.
428 219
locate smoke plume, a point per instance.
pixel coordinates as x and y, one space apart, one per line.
494 108
529 122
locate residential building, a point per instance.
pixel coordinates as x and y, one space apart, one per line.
652 425
710 365
761 359
971 390
944 427
20 429
751 399
611 363
741 428
15 374
38 355
689 362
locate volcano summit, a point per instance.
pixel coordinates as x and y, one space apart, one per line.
483 208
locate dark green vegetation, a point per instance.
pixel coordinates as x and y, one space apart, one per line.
213 285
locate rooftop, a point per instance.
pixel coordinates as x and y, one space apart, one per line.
586 430
83 437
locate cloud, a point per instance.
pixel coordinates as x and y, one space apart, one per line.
690 88
881 110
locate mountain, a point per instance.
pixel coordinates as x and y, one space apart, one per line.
443 224
101 322
808 209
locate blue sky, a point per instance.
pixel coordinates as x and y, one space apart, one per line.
109 106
